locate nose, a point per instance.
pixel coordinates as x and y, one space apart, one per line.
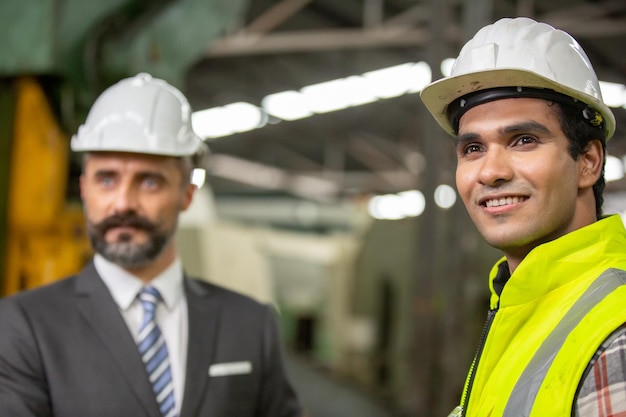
125 199
496 168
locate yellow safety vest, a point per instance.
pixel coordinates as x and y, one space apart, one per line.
563 300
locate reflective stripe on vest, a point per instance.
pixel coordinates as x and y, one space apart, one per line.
526 389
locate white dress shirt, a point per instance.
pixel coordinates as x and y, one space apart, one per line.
171 315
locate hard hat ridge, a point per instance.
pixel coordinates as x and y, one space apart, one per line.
140 114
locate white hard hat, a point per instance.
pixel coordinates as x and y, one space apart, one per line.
532 59
141 114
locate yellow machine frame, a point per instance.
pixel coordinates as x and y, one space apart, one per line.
46 237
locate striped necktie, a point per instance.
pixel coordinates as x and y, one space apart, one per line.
153 351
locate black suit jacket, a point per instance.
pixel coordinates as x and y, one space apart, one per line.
65 351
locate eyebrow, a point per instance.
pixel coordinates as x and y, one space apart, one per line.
466 138
151 174
106 172
527 126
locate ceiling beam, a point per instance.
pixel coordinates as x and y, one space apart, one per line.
292 158
317 40
276 15
373 12
307 185
586 11
412 16
379 162
575 19
602 28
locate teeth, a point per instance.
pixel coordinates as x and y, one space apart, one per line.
497 202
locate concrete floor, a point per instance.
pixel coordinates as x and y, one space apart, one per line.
324 396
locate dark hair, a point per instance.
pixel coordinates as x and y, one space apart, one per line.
580 123
580 133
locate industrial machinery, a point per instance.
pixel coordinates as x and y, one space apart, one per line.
44 235
57 56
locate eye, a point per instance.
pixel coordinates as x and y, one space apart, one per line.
151 182
470 149
105 180
525 140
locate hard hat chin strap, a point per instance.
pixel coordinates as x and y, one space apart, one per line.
458 107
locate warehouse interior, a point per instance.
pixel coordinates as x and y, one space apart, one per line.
381 302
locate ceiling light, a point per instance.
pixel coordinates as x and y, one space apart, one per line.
413 202
613 169
397 206
613 94
446 66
399 79
327 96
229 119
287 105
445 196
198 177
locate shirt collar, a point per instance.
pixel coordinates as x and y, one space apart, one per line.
124 286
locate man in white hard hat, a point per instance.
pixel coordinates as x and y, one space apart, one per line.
524 105
131 334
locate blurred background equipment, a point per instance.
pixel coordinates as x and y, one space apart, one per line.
328 190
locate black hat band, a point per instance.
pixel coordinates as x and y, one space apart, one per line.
458 107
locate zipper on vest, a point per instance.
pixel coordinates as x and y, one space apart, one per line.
491 314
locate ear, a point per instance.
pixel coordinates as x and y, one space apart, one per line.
188 193
81 181
591 162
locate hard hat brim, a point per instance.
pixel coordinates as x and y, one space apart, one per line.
438 95
193 146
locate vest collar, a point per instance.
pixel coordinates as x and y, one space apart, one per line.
549 266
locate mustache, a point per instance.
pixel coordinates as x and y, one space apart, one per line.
125 220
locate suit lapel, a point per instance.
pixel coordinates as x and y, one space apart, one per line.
98 308
203 318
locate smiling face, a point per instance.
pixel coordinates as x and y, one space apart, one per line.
132 203
517 180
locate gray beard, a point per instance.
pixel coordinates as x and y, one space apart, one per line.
127 254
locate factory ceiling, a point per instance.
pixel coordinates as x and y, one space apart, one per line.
376 148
